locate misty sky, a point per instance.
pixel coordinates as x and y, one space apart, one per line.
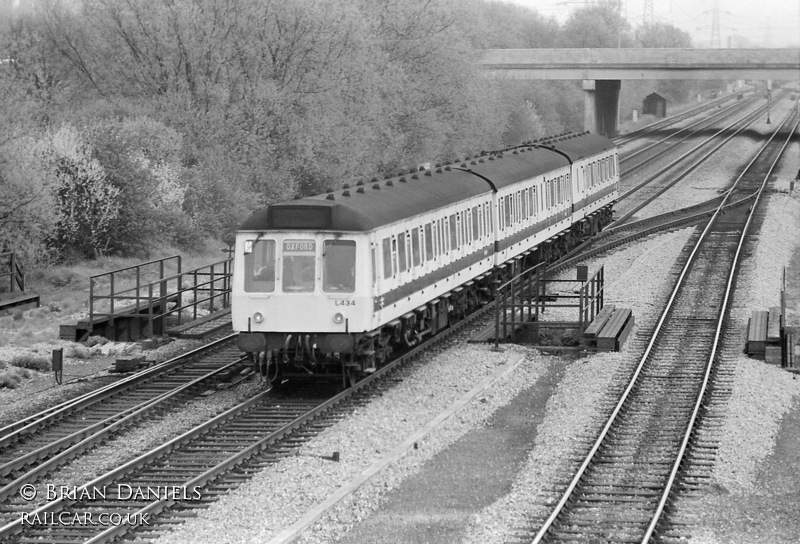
765 23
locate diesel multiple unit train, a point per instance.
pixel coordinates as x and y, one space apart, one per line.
332 285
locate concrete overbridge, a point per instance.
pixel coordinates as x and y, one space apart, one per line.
602 70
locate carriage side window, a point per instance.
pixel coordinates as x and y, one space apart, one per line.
415 249
299 266
476 226
524 202
339 266
428 242
401 251
454 231
387 257
374 266
507 209
259 263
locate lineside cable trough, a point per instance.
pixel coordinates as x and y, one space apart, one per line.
521 305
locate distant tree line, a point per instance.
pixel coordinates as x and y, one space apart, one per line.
126 126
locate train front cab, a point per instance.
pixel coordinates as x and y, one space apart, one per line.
299 297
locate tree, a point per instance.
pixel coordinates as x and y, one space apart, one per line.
596 26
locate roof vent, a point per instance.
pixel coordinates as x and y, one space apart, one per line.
346 186
403 180
377 186
463 165
374 179
438 170
330 197
360 182
473 162
390 183
346 193
428 173
481 160
360 190
515 152
415 176
447 168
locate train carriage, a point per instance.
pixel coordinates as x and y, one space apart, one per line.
332 285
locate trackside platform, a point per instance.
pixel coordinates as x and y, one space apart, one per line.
14 300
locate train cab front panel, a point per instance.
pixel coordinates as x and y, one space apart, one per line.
300 283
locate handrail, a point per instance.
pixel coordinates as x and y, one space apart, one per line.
209 284
16 274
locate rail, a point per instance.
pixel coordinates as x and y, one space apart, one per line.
15 273
715 224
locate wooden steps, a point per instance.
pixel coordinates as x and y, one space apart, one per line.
764 335
609 329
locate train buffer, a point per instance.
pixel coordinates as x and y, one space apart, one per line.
610 328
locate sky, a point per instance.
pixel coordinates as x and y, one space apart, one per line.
765 23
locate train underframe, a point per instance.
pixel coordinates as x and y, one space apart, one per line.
349 357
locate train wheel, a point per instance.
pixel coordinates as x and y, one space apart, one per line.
350 375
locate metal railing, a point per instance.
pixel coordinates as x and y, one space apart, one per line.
181 294
520 300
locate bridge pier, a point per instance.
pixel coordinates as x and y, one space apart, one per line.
601 106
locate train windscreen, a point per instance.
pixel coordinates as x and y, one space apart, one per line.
259 263
339 266
299 266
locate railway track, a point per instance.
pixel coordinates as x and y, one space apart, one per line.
655 149
668 122
622 231
204 462
621 489
45 441
199 458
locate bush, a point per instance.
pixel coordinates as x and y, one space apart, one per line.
19 316
96 341
78 352
11 378
32 362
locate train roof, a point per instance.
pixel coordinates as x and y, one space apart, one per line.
371 205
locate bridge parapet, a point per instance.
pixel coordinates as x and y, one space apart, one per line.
614 64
